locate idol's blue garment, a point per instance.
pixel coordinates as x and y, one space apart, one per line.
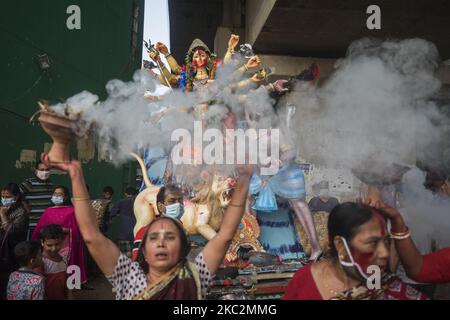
287 183
278 234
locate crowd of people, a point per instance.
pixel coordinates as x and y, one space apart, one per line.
46 229
34 264
40 237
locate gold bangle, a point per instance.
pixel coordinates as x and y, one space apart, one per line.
80 198
402 237
400 234
237 205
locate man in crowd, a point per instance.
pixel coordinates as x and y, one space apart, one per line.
323 201
37 192
124 211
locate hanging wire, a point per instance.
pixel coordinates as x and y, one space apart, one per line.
27 91
55 58
14 113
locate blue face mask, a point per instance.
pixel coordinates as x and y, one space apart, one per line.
8 201
175 210
57 200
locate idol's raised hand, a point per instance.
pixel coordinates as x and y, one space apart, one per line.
253 62
234 40
161 47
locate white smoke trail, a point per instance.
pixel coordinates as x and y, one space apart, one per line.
123 122
373 106
427 215
376 106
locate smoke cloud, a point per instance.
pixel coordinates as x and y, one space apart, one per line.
127 122
426 214
374 106
374 111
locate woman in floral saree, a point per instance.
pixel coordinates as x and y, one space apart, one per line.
163 271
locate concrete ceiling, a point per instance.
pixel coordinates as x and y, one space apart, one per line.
315 28
190 19
325 28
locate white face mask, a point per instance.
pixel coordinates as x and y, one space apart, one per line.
8 201
174 211
43 174
352 268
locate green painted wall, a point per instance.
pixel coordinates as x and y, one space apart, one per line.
82 59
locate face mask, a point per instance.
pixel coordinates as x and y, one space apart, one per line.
174 211
43 175
353 269
57 200
8 201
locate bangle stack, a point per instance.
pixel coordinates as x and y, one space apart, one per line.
401 235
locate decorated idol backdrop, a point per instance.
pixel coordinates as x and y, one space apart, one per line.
369 124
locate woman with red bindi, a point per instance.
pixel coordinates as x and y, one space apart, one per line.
359 251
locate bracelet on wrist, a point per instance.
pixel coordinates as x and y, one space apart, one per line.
237 205
400 234
80 198
402 237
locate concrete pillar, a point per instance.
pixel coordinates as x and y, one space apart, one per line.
232 13
232 23
256 14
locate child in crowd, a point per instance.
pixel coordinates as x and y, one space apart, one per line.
55 261
26 283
